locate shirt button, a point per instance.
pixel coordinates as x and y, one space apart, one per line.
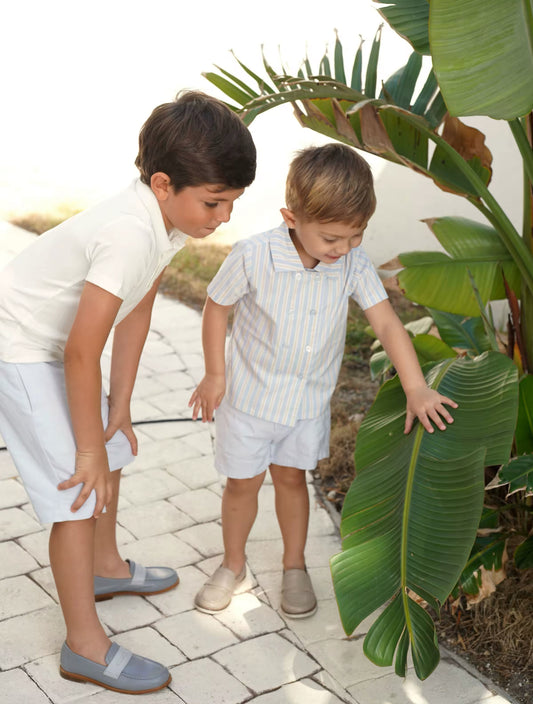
298 277
308 349
312 312
291 311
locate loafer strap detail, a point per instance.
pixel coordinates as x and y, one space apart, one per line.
118 662
138 574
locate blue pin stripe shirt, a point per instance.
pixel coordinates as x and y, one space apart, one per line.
289 326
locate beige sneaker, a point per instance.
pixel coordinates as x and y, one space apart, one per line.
216 593
298 598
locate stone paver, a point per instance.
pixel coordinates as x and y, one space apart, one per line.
169 514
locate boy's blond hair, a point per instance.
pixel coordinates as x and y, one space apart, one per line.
330 184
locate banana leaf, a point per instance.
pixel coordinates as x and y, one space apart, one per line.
523 555
410 517
465 333
488 552
518 473
493 75
410 19
483 56
428 348
440 281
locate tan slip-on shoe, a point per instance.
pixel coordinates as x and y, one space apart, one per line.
298 598
216 593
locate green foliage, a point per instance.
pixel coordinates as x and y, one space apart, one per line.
410 517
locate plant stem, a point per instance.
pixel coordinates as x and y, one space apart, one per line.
523 145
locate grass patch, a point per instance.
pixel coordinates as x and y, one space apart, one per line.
40 222
188 274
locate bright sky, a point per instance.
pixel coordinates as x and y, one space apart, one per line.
79 80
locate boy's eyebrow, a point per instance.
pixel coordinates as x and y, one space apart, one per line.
215 190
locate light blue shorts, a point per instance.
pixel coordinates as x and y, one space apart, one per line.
35 423
245 446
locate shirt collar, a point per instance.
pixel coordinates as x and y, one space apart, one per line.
175 239
286 258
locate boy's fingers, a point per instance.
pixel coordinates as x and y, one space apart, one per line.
82 498
408 422
109 432
132 438
449 401
99 506
69 483
195 409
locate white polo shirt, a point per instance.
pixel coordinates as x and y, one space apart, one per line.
120 245
289 325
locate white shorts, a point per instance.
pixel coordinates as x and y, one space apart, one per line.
245 446
35 423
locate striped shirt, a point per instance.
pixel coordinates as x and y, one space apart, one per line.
289 325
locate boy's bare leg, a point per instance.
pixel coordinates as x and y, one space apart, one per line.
71 559
239 509
107 559
292 510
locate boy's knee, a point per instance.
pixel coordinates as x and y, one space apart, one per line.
288 477
244 487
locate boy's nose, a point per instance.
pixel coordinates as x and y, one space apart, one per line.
225 213
343 248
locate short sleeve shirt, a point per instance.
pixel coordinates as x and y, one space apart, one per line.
289 326
120 245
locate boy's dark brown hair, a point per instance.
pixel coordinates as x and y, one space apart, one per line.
331 183
196 139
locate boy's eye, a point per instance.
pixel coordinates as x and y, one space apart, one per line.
210 205
328 239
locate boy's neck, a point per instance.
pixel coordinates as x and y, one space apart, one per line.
307 261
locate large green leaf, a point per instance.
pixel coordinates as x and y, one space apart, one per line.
411 514
523 555
439 281
465 333
410 19
488 552
518 473
483 56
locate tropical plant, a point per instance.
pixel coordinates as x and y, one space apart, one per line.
406 532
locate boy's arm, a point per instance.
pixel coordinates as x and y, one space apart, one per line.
422 402
96 313
128 342
211 389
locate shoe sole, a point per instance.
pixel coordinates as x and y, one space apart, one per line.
75 677
134 592
305 614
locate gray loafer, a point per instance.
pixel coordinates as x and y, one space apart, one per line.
125 672
143 581
298 598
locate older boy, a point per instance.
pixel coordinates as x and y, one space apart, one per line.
59 300
290 288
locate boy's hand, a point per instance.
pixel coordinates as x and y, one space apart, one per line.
427 405
120 419
92 470
207 396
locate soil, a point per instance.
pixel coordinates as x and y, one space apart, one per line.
494 636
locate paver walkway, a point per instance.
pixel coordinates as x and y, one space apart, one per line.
170 515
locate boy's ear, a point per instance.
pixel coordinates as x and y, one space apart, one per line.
160 185
288 217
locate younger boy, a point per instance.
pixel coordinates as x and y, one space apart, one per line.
290 288
59 300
